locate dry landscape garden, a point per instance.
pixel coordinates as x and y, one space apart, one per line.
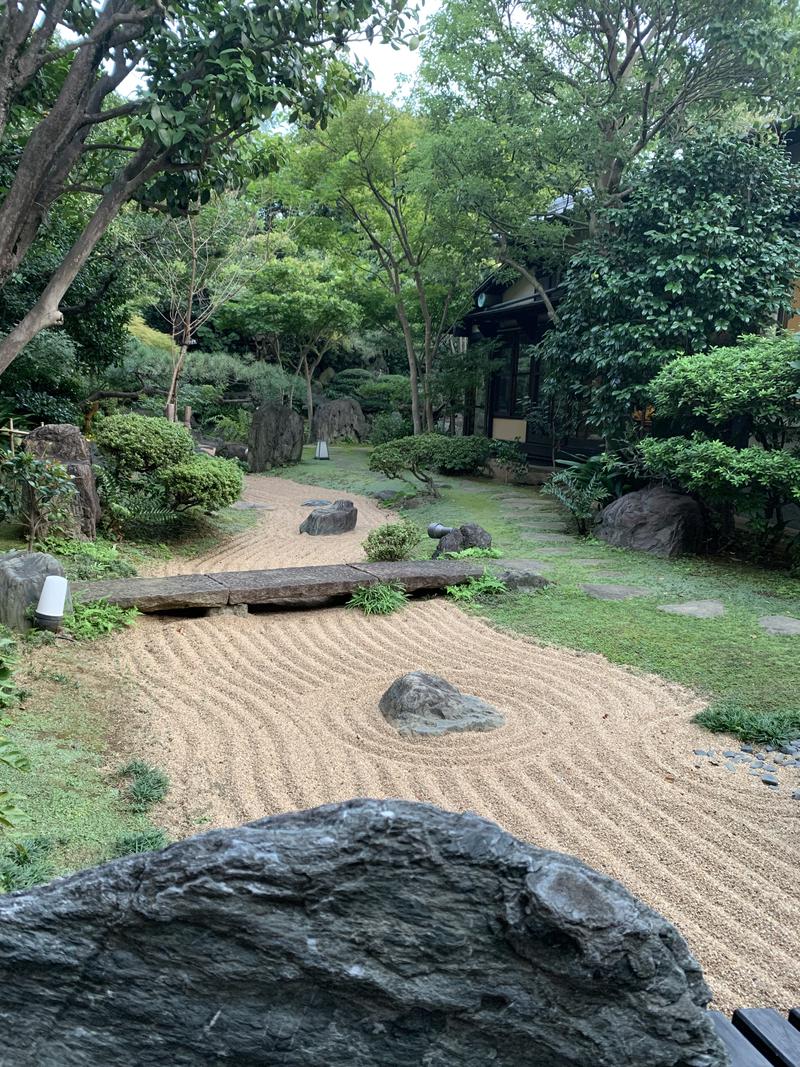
400 533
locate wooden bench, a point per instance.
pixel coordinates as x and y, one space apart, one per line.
284 586
760 1037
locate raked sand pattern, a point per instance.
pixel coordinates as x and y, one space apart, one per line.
260 714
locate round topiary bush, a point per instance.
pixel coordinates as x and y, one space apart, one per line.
392 542
202 482
143 444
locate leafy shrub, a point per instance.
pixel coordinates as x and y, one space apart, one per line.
202 482
143 444
753 482
425 453
97 618
144 841
381 598
394 541
9 693
511 456
475 553
37 492
748 389
234 425
146 785
24 864
10 755
581 488
389 426
463 455
476 588
88 560
760 727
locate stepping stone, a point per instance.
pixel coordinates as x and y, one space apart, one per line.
548 538
698 609
590 562
615 592
315 503
547 550
780 625
522 564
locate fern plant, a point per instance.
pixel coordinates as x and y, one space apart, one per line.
476 588
97 618
381 598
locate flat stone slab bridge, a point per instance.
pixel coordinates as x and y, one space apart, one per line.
284 587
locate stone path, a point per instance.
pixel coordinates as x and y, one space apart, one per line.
614 592
698 609
780 625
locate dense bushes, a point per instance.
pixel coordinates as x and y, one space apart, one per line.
389 426
748 389
142 444
392 542
420 456
749 481
154 471
202 482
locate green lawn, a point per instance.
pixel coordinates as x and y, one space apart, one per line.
730 660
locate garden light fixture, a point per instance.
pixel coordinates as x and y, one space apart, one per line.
49 614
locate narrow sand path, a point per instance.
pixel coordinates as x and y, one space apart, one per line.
260 714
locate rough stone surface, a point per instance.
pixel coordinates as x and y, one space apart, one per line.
780 625
614 592
66 445
232 450
470 535
421 703
516 578
655 520
366 934
340 517
276 437
316 503
22 576
698 609
339 419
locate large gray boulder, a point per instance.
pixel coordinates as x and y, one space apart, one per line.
66 444
470 535
420 703
22 576
339 518
375 933
339 419
656 520
276 437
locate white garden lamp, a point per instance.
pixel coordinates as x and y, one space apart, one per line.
49 614
322 450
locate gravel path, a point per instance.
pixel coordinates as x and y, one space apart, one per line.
259 714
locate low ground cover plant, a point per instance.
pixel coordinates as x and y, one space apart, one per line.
144 841
476 588
380 598
392 542
475 553
97 618
773 727
146 785
88 560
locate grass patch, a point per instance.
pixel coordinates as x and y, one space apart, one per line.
146 785
475 553
26 863
381 598
775 728
146 841
88 560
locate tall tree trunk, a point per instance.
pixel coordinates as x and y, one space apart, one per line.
45 312
412 366
309 396
172 395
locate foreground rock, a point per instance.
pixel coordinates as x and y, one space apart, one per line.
470 535
339 518
421 703
22 576
371 933
657 520
276 437
339 420
66 445
232 450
